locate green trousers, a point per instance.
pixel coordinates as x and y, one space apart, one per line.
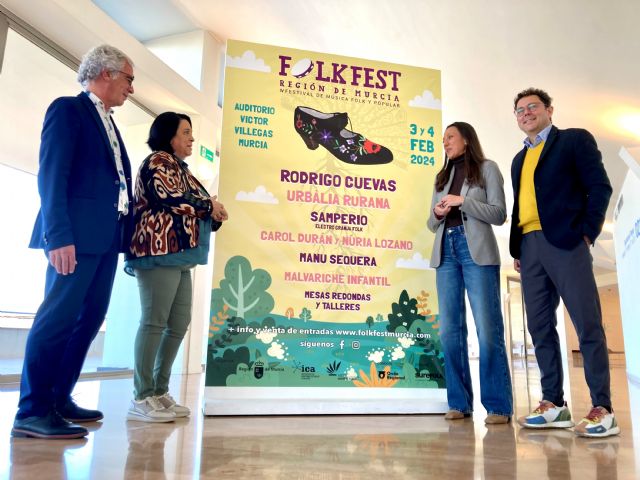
165 298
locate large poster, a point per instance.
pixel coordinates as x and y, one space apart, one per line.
321 275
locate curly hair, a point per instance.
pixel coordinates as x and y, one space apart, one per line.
541 94
102 57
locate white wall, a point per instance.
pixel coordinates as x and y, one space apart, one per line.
182 75
627 245
183 53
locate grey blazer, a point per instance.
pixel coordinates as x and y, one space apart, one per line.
482 207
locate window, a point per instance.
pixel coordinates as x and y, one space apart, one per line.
30 79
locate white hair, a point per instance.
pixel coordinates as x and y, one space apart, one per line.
102 57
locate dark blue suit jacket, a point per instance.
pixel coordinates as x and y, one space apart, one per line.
78 181
572 190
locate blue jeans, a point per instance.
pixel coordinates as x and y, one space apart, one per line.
457 272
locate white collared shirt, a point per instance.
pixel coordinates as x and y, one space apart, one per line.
107 122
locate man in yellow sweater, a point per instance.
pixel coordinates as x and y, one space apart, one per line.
561 192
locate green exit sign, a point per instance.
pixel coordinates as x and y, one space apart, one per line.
206 153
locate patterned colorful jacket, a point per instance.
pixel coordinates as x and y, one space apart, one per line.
168 202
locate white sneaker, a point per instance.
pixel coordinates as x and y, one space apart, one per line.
149 410
547 415
598 423
170 404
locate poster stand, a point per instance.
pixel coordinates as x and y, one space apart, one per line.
323 299
320 401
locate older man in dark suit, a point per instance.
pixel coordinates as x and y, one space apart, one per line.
561 192
84 182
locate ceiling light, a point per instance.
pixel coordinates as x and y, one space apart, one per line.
621 120
631 123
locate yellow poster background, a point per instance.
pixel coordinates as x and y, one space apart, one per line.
283 199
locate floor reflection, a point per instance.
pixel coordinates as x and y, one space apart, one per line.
430 445
499 452
59 459
321 447
556 447
146 448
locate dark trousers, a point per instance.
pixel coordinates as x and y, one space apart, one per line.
66 323
549 273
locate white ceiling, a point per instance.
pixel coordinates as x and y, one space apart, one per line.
147 19
583 52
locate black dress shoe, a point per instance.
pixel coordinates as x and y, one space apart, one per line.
51 426
73 413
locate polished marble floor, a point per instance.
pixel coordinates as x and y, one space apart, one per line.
324 447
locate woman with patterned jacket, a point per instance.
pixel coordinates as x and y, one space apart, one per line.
174 216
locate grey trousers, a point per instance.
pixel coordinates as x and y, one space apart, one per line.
549 273
165 298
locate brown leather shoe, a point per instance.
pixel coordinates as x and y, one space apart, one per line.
454 415
493 419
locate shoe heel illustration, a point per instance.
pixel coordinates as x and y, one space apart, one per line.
311 143
312 124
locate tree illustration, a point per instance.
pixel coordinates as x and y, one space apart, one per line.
379 318
369 321
305 314
217 320
219 368
423 306
243 290
230 335
433 362
403 313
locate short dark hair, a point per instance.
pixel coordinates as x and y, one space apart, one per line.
541 94
163 129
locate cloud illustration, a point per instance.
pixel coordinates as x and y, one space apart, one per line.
414 263
266 337
376 356
259 195
397 353
248 61
426 100
406 342
276 350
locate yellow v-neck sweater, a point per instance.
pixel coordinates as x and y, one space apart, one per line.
528 206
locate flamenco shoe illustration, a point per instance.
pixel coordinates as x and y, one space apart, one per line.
351 147
328 129
311 124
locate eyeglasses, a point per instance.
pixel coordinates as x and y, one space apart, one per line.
129 78
532 107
